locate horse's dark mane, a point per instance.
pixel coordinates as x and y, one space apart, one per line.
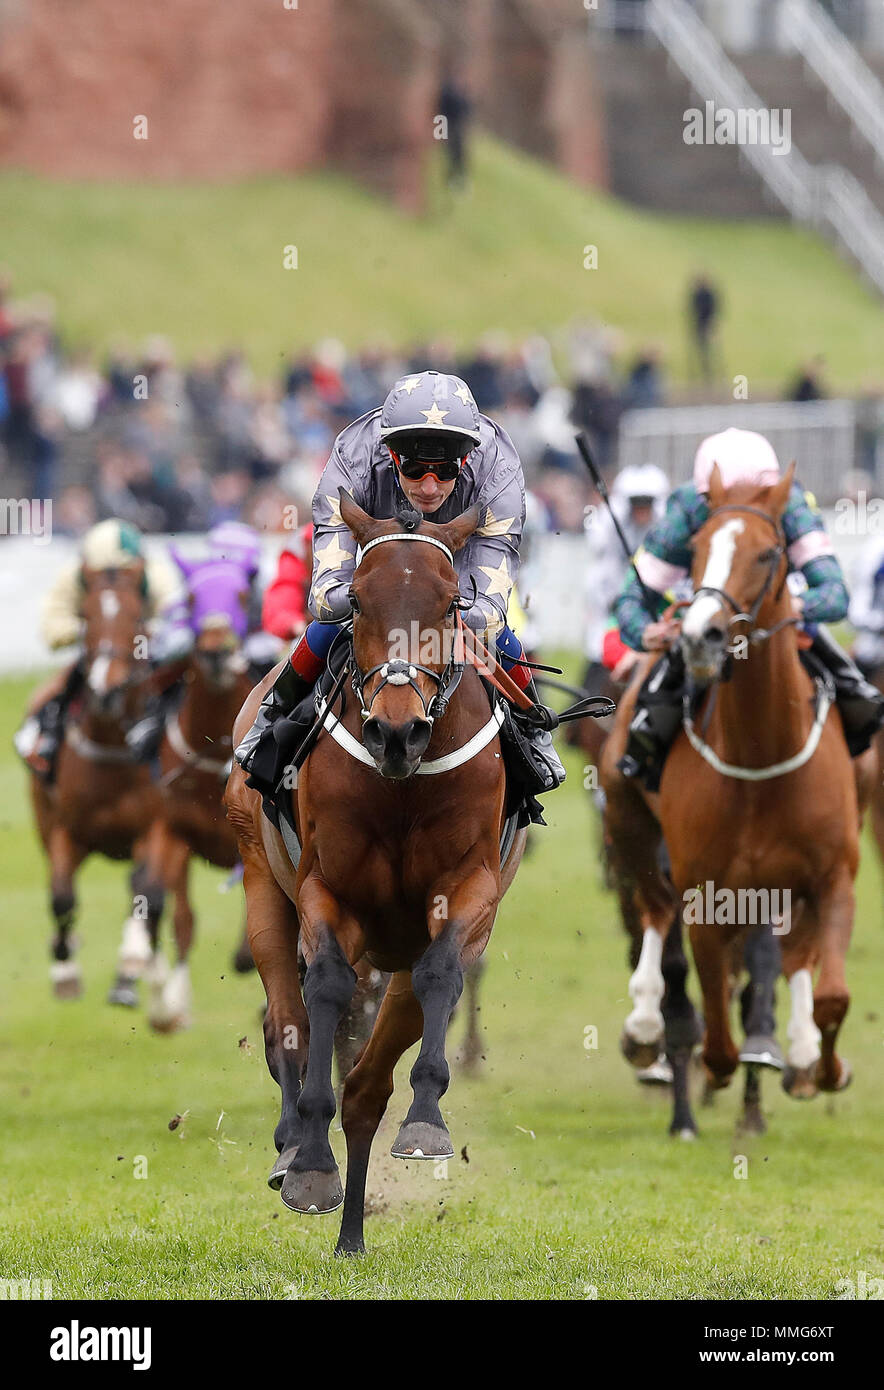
408 518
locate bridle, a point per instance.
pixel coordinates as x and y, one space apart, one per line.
398 671
756 634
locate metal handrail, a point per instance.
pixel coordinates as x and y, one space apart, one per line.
839 67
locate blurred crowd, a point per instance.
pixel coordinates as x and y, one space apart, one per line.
175 447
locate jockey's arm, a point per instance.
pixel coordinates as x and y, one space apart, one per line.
60 622
663 560
491 555
810 550
334 545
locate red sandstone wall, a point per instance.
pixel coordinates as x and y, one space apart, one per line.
233 87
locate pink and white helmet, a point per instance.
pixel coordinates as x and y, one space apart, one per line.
742 457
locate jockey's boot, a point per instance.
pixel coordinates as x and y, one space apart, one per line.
258 754
145 737
40 736
537 727
658 712
860 704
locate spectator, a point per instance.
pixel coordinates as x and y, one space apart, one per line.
809 383
454 108
704 307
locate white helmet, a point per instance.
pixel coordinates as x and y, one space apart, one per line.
641 480
742 457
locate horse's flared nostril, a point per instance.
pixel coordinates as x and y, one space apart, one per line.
415 736
375 733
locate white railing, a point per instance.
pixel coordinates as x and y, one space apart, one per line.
838 65
827 197
819 435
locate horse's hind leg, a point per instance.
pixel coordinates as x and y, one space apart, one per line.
170 1002
720 1055
354 1029
367 1089
65 857
682 1030
763 961
472 1048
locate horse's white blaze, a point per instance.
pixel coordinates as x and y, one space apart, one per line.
110 604
135 948
803 1034
718 569
98 674
645 1023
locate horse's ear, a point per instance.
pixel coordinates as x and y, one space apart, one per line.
778 495
457 532
360 523
716 488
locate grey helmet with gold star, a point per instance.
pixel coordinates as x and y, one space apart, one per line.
430 416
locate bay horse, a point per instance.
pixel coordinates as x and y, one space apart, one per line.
101 800
398 811
194 759
764 800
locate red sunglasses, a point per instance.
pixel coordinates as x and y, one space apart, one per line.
444 470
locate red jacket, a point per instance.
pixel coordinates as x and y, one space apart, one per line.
284 611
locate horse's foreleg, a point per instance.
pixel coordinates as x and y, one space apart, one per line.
831 998
459 923
65 857
367 1089
168 864
139 932
682 1030
312 1183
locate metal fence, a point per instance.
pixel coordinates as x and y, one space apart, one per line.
819 435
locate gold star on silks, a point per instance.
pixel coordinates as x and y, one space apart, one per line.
464 394
334 555
320 592
411 383
434 415
500 582
493 527
334 504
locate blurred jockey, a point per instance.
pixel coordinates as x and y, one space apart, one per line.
638 497
664 561
233 562
427 449
867 608
285 611
110 545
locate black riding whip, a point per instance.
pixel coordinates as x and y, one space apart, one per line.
651 599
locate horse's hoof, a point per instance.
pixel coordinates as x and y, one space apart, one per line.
659 1073
845 1076
753 1122
638 1054
349 1248
800 1082
124 992
420 1140
312 1193
243 960
67 981
716 1081
280 1166
760 1051
683 1132
170 1023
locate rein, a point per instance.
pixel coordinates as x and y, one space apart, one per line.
96 752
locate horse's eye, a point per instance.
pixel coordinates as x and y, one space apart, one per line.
354 602
767 556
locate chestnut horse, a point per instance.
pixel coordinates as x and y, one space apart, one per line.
397 866
101 801
760 798
194 761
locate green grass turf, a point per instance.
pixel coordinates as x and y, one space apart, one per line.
572 1189
204 264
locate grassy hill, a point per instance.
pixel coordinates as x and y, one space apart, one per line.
204 264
